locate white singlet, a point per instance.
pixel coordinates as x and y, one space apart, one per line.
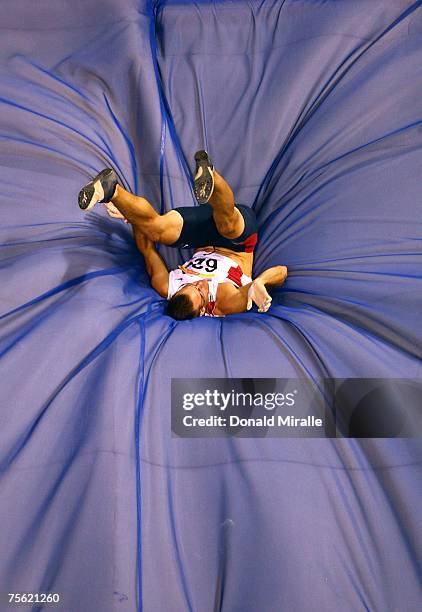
213 267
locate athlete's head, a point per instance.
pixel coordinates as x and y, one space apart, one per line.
189 302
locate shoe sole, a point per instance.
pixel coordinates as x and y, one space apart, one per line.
86 198
203 185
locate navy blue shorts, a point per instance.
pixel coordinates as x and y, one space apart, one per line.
199 229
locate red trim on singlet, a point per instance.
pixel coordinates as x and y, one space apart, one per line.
250 243
235 275
210 308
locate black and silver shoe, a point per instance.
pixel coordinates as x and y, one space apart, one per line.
203 185
100 189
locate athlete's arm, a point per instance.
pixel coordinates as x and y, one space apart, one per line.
231 300
156 268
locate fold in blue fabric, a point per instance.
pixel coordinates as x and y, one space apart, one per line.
312 110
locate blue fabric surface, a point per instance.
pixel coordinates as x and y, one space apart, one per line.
312 110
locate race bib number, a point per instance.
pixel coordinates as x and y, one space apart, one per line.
203 264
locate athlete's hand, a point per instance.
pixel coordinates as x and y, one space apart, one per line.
114 212
257 293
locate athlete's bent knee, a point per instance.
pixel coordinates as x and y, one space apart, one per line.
228 231
168 227
231 227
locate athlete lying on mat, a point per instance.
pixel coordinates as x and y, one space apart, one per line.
216 281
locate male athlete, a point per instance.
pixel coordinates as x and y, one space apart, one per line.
216 281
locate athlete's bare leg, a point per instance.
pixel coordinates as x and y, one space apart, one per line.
162 228
139 212
227 217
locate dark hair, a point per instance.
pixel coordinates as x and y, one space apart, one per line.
180 307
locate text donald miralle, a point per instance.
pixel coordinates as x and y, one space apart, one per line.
220 407
297 407
269 401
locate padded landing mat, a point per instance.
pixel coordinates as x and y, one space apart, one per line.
312 111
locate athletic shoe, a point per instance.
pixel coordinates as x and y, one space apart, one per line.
100 189
203 185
